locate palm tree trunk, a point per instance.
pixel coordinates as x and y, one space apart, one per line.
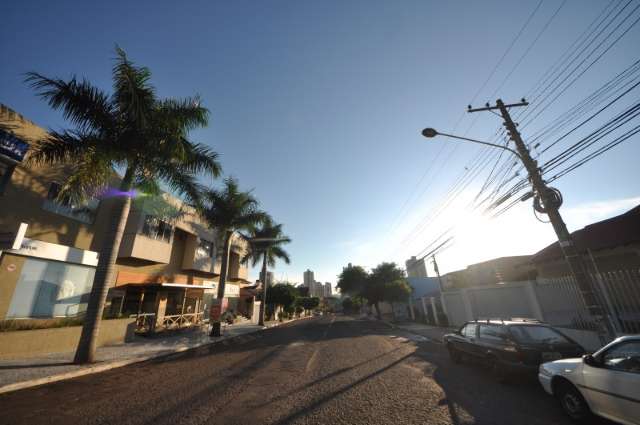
85 353
216 327
264 289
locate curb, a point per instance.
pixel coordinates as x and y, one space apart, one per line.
118 364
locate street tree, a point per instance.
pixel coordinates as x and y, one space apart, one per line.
352 280
131 131
229 210
381 284
265 244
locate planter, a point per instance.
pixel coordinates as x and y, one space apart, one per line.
39 342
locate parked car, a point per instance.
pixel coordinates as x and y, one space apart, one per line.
510 347
606 383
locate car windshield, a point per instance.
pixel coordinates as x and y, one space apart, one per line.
538 334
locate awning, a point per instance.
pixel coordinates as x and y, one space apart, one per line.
184 285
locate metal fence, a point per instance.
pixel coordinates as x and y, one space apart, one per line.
618 292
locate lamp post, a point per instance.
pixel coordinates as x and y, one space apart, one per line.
547 200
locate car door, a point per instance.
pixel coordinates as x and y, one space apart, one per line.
613 386
492 341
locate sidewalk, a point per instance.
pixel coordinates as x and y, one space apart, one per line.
434 333
25 373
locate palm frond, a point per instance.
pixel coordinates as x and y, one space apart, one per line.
63 147
133 92
81 103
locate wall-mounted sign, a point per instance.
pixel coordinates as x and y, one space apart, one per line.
12 147
230 290
53 251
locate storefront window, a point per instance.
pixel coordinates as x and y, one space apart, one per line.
51 289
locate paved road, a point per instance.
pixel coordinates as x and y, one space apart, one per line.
320 371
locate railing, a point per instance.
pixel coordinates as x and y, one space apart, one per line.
145 322
182 320
618 292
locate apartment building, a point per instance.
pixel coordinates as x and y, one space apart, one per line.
167 263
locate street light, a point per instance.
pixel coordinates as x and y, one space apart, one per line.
432 132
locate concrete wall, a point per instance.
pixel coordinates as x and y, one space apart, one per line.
37 342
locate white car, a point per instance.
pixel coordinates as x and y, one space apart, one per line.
606 383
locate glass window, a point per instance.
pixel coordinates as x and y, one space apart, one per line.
492 332
84 212
470 330
624 357
155 228
51 289
538 334
205 249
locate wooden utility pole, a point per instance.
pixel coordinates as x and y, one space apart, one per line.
547 200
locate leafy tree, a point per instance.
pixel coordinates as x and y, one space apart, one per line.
282 294
396 291
265 243
352 304
309 303
352 280
380 285
229 210
130 130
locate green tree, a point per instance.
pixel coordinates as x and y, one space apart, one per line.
282 294
397 291
380 284
352 280
265 243
229 210
130 130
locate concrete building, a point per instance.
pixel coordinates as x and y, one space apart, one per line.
308 278
415 267
327 290
167 263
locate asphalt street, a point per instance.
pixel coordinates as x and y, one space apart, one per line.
328 370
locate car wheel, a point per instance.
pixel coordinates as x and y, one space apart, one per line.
455 355
573 403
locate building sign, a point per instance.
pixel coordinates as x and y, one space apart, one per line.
12 147
230 290
53 251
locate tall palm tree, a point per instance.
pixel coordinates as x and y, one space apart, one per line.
229 210
129 130
265 243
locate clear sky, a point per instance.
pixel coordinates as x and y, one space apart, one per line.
318 107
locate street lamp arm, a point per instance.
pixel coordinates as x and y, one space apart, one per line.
482 143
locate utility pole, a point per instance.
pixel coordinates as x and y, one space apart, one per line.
547 200
437 270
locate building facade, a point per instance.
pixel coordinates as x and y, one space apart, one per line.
167 263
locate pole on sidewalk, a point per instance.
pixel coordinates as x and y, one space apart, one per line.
547 200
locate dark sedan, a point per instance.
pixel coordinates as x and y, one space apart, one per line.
510 347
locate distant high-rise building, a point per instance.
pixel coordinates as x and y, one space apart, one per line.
269 279
327 289
415 267
308 278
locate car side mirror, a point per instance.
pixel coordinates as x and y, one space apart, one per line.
589 360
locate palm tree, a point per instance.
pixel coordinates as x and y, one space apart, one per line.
229 210
265 243
130 130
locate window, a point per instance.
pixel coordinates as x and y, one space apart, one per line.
470 330
624 357
51 289
492 332
205 249
84 212
155 228
538 334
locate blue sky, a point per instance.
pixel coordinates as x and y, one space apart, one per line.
318 106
